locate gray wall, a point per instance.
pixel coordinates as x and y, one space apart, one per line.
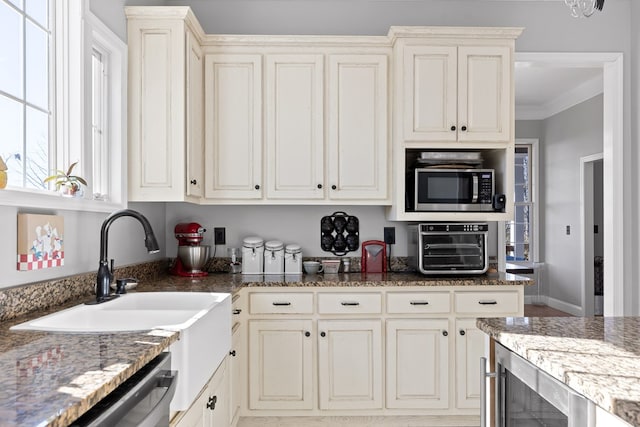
547 24
568 136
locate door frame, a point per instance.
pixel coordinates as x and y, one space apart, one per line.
586 232
612 67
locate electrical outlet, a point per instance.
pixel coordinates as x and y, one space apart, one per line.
219 236
390 235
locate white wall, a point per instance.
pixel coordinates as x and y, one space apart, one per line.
81 242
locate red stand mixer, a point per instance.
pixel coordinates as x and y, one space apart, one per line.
192 256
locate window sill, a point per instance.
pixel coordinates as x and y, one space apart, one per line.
54 201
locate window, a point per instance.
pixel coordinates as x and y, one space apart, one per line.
520 234
63 50
25 86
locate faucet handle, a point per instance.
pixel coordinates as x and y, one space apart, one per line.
121 286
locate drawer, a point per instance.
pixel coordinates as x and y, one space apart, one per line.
418 302
281 303
349 303
503 303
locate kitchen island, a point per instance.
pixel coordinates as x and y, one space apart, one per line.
598 357
50 379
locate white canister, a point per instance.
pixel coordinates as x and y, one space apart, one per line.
273 257
252 255
293 259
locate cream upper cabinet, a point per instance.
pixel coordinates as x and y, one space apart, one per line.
417 363
457 93
358 132
195 117
294 111
233 126
350 364
280 364
163 55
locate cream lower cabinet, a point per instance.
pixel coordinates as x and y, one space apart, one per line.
280 364
211 408
470 347
417 363
350 364
236 358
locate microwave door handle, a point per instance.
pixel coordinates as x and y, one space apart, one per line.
475 189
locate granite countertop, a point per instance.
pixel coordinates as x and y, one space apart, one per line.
599 357
50 379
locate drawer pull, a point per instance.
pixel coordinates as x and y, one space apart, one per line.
281 303
462 332
487 302
350 303
232 353
445 333
307 334
323 334
419 302
237 311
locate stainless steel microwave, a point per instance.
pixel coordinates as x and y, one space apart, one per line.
445 189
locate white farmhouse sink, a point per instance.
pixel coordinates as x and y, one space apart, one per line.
203 320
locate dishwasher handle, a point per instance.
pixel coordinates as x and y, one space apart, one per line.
169 380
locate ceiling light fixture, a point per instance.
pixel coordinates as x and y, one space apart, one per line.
584 8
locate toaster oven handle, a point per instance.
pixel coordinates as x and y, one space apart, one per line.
475 189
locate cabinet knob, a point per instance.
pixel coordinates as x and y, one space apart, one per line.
453 128
211 403
193 181
462 332
323 334
307 334
237 311
257 187
445 333
319 186
463 128
334 187
232 353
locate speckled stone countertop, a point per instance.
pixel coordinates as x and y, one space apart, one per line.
50 379
225 282
599 357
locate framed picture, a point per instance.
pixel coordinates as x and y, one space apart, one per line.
40 241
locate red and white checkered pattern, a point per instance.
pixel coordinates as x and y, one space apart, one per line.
28 262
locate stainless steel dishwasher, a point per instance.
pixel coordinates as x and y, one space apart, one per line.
143 400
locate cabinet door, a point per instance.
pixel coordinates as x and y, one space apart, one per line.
198 415
236 383
233 128
484 93
294 126
156 110
429 92
470 347
280 364
350 364
358 136
195 117
417 363
218 402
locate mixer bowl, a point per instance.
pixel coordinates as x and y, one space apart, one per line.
193 257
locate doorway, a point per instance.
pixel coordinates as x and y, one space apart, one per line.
592 234
612 157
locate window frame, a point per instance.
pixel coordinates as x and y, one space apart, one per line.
535 202
76 31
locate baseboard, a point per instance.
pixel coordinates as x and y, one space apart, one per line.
576 310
